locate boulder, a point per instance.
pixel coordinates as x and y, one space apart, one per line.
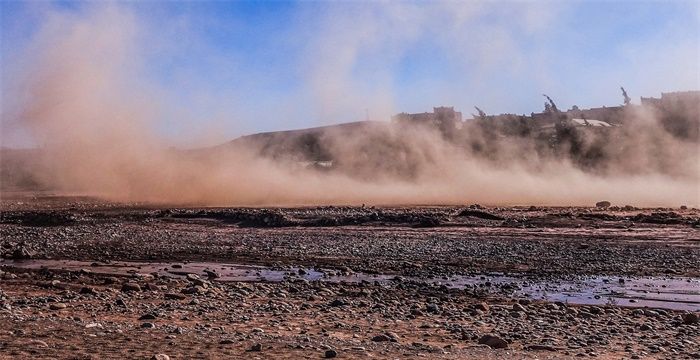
493 341
602 204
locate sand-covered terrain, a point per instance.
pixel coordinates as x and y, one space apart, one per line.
89 279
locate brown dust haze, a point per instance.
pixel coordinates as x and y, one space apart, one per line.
79 93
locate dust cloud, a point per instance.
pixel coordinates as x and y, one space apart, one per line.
83 98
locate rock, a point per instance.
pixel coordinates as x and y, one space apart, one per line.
416 312
211 274
174 296
432 308
193 290
38 343
226 342
394 337
87 290
539 347
127 287
258 330
690 318
479 214
518 307
256 347
57 306
148 317
338 302
602 204
22 253
381 338
493 341
160 357
595 310
330 353
482 306
148 325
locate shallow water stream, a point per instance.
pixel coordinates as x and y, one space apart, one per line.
678 293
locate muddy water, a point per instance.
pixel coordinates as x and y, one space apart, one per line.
676 293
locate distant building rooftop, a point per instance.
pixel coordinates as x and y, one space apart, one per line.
586 122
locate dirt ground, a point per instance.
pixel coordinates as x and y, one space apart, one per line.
87 312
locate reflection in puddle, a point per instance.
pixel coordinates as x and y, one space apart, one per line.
676 293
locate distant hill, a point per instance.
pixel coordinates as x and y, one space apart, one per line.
18 167
313 144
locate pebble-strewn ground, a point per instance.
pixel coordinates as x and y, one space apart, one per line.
85 314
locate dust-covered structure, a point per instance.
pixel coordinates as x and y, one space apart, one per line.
590 138
659 135
679 112
444 118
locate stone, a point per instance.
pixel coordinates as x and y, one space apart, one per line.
211 274
160 357
493 341
127 287
338 302
38 343
518 307
193 290
57 306
174 296
602 204
148 317
539 347
256 347
595 310
87 290
432 308
330 353
690 318
394 337
22 253
482 306
148 325
381 338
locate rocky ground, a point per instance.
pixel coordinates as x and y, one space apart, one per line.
52 313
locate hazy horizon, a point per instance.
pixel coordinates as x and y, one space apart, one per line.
218 70
108 88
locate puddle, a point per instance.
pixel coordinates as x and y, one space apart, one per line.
677 293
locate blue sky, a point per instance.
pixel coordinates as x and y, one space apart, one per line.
231 68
